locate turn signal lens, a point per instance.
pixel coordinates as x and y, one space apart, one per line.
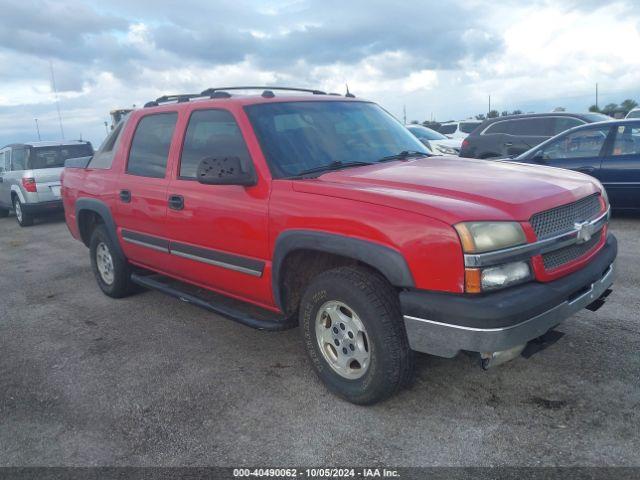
472 280
29 184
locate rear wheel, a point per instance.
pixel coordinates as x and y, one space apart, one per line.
112 272
354 335
25 219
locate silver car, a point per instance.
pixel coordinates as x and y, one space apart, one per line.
30 176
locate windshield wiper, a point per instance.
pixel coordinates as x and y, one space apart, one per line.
337 165
404 155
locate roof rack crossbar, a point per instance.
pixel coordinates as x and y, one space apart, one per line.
183 97
211 91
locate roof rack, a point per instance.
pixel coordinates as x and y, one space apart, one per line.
221 92
210 91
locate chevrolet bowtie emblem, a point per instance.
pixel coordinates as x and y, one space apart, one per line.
585 231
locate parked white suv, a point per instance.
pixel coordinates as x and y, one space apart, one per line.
437 143
634 113
458 129
30 177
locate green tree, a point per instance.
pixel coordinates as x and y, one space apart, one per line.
594 108
610 108
480 116
516 112
493 114
628 105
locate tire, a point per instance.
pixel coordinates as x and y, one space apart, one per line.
4 212
112 272
357 296
24 219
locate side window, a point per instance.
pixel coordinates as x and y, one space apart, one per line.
211 133
468 127
448 129
627 141
565 123
580 144
19 158
2 164
103 158
532 127
498 127
150 146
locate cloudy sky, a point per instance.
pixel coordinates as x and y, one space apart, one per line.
439 58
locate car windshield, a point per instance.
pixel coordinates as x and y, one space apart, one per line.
302 136
597 117
54 156
424 133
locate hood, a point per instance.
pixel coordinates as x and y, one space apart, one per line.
456 189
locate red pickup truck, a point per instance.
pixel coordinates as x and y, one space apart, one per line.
283 209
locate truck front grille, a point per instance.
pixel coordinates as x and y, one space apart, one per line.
559 257
561 219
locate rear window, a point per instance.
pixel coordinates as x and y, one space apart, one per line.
634 114
424 133
468 127
597 117
54 157
448 129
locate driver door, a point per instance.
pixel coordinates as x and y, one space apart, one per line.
581 150
218 233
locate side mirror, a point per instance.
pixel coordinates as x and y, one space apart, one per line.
224 171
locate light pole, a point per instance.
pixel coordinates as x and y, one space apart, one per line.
37 129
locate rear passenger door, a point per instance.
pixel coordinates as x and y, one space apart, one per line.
142 190
219 234
524 134
620 170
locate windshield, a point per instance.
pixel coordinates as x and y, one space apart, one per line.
597 117
300 136
54 157
424 133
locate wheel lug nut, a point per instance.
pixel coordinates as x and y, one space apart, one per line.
344 350
335 329
342 326
351 347
337 342
350 334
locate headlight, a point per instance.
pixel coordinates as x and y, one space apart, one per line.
446 150
504 275
479 237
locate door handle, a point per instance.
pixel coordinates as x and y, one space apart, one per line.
125 196
586 169
176 202
508 144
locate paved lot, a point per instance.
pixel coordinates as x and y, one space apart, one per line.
87 380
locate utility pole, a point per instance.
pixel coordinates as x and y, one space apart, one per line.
597 97
404 114
106 127
55 93
37 129
489 105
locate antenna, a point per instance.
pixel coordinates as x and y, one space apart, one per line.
348 94
55 93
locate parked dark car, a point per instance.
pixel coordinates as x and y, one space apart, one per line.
609 151
508 136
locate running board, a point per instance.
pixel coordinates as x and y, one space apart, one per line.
270 321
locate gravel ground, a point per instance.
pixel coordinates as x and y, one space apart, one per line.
148 380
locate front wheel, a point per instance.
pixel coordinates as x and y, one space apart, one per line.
25 219
112 272
354 335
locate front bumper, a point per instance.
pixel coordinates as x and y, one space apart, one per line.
41 208
443 324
